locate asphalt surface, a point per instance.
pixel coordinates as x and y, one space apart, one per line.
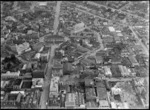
56 22
48 75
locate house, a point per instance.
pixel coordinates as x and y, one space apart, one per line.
104 104
80 102
22 47
37 46
107 71
11 101
79 27
54 102
115 71
89 82
54 86
101 93
57 64
116 91
57 72
37 82
90 93
9 74
55 39
133 61
99 59
70 100
38 74
111 29
67 68
91 105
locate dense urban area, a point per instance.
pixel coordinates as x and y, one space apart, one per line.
75 55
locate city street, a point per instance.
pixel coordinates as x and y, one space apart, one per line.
56 22
48 74
139 41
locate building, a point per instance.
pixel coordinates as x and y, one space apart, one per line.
119 105
57 64
107 71
9 74
54 86
111 29
57 72
67 68
38 74
11 101
133 61
90 93
70 100
80 102
55 39
101 93
104 104
37 83
26 84
23 47
89 82
115 71
91 105
4 83
54 102
79 27
99 59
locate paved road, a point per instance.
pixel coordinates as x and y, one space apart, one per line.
56 22
139 41
48 76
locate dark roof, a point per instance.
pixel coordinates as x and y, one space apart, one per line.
117 97
38 74
101 93
115 71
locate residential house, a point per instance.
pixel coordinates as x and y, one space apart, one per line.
90 93
70 100
104 104
67 68
133 61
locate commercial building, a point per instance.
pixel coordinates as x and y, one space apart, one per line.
54 86
55 39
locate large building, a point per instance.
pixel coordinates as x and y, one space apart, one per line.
55 39
70 100
54 86
11 101
79 27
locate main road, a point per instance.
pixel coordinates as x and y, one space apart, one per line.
56 22
48 73
48 76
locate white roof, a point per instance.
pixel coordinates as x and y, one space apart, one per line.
119 34
42 3
113 105
111 29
